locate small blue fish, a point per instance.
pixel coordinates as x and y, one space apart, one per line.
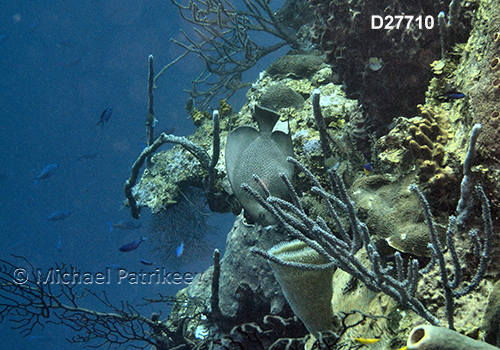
368 168
105 116
33 25
145 262
132 245
123 225
452 95
16 245
47 172
59 244
86 156
179 250
40 338
114 267
58 216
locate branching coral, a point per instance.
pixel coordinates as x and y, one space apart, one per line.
340 247
34 301
227 46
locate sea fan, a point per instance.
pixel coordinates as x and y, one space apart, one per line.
183 223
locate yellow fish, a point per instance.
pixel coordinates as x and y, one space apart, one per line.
366 341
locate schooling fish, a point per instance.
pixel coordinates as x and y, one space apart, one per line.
47 172
132 245
105 116
58 216
123 225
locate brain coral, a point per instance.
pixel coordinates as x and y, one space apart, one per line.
281 96
301 66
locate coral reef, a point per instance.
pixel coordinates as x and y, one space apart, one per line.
421 140
428 149
343 29
429 143
206 161
228 40
475 76
174 169
395 258
392 279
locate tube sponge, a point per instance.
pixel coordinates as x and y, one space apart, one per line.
439 338
309 292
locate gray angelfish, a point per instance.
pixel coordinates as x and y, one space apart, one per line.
263 153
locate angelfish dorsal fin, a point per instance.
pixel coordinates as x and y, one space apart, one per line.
266 119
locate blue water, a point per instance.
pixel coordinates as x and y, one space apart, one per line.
62 63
